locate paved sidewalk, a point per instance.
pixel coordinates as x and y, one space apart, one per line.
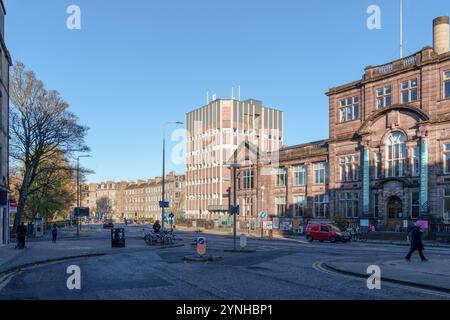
67 246
432 274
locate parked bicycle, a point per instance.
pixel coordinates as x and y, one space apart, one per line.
163 237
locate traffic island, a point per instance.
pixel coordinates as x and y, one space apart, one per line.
197 258
241 250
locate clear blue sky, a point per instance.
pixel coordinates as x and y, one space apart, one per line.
137 63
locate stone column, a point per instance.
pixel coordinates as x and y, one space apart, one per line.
424 175
366 181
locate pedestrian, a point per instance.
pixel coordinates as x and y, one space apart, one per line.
54 233
415 237
21 235
126 221
156 226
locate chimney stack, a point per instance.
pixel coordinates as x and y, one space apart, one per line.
441 34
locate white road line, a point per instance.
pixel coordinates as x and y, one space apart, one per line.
318 267
6 279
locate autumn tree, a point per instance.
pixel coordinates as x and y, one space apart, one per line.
41 127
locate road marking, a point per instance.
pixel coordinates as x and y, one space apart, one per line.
6 279
318 266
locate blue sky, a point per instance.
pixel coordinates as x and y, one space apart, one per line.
135 64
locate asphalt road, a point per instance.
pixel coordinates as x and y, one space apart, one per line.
277 270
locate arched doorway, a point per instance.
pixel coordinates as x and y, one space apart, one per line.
394 208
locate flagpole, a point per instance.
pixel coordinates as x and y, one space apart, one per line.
401 29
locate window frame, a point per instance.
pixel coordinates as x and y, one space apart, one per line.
349 104
248 179
445 153
409 89
414 205
445 82
319 206
383 97
349 168
300 170
300 206
317 178
277 177
446 213
349 200
391 161
284 206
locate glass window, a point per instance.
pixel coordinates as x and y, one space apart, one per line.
281 206
415 205
349 204
300 175
281 177
320 206
396 155
447 204
447 158
320 173
349 109
378 166
409 91
300 204
384 97
349 168
248 179
446 84
376 205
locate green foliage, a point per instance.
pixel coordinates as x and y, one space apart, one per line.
340 221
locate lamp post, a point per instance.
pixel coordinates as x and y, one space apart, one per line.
79 192
164 168
234 166
262 209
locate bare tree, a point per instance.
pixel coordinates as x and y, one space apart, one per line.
41 127
103 205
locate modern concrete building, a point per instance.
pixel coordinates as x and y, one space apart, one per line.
387 158
5 63
214 132
142 197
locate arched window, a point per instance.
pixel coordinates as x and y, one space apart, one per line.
396 155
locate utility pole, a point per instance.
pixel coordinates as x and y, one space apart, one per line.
234 166
79 192
164 169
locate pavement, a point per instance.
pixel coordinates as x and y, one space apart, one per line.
278 269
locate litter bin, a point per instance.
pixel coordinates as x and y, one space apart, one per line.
118 237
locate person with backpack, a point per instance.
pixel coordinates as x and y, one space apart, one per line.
54 233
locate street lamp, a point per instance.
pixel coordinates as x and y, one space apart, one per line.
79 191
164 167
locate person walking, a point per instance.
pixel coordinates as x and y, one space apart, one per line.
21 235
415 237
54 233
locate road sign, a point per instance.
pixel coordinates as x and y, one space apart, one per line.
164 204
201 246
171 215
12 206
263 214
235 209
81 212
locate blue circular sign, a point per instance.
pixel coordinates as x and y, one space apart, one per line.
171 215
263 214
201 240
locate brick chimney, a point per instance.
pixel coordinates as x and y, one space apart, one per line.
441 34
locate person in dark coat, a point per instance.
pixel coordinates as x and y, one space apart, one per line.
54 233
415 237
21 235
156 226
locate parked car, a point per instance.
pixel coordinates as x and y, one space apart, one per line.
326 232
108 224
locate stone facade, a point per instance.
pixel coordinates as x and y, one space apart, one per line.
5 63
387 156
142 197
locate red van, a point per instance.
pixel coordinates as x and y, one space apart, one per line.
326 232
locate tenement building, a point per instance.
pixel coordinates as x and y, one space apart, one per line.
214 132
387 158
142 197
5 63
